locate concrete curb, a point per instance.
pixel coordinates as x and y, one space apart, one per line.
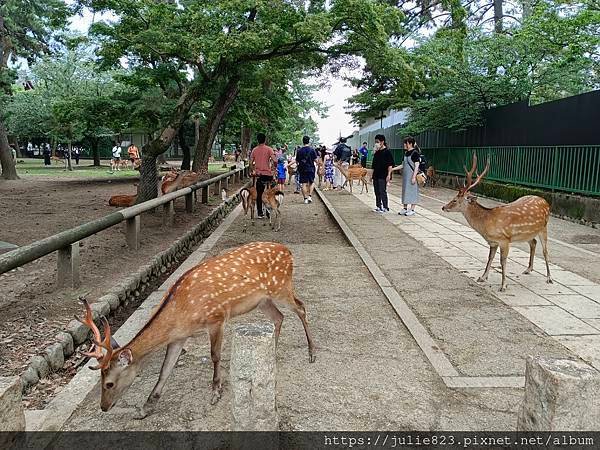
129 288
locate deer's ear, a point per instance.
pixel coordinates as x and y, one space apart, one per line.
125 358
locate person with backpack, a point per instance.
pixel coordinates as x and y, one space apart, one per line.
410 169
306 157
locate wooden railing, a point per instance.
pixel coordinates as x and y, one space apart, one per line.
66 243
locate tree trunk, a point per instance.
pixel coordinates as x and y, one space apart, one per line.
9 168
69 165
185 148
498 14
148 187
95 152
245 142
209 130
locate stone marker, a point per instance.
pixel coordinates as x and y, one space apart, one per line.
12 417
560 394
253 374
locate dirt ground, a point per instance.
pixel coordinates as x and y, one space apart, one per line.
32 309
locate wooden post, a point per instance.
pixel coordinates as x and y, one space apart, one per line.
205 194
68 266
217 190
169 213
132 232
189 202
227 183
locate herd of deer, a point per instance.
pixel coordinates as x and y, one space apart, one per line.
272 199
259 274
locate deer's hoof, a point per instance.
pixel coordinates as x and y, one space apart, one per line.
216 396
527 271
502 289
549 281
142 413
481 280
311 358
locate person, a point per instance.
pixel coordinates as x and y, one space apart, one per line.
134 154
116 157
342 155
306 158
281 171
410 169
296 174
329 169
46 153
13 153
383 164
323 151
76 154
261 159
364 152
30 150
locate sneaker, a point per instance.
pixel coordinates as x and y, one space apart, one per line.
306 202
309 199
410 213
385 210
377 210
403 212
260 217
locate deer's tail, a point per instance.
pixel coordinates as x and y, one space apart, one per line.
245 194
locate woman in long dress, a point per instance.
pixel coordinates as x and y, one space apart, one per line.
410 169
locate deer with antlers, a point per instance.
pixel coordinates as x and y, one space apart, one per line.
519 221
258 274
355 172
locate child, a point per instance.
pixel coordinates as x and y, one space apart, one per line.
328 171
281 172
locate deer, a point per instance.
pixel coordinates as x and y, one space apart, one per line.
175 180
234 283
122 200
355 172
249 196
320 170
522 220
432 177
272 198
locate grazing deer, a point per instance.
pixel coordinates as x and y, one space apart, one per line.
519 221
122 200
258 274
355 172
272 198
249 196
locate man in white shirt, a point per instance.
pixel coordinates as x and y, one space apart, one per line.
115 162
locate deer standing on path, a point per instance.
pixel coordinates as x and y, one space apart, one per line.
249 196
320 170
356 172
519 221
205 297
272 198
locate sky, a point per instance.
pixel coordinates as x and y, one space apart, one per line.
334 96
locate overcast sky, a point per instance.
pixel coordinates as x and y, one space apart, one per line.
335 97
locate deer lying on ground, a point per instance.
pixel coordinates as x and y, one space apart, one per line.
122 200
174 180
258 274
355 172
272 199
249 196
522 220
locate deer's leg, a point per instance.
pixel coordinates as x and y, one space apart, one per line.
503 256
173 352
301 312
544 241
216 340
532 244
488 266
272 312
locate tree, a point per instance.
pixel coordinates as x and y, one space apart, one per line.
212 45
26 31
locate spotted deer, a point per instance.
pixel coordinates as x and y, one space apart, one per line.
356 172
258 274
519 221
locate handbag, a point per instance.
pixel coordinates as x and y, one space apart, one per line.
421 177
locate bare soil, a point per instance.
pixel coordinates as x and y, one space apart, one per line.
32 309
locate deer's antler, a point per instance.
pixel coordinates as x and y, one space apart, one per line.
470 172
98 344
480 176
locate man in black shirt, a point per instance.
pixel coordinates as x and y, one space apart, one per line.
383 163
342 154
306 157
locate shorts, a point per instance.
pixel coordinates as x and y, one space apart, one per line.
281 180
116 158
307 177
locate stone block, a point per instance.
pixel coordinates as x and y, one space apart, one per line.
112 300
78 331
29 377
40 365
55 357
66 342
101 308
560 394
253 377
12 417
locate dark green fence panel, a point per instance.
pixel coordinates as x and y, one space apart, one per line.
562 168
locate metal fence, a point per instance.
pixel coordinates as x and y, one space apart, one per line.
573 169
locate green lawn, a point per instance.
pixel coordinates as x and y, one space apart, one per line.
35 167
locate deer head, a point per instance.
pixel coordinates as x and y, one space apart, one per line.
464 198
117 368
